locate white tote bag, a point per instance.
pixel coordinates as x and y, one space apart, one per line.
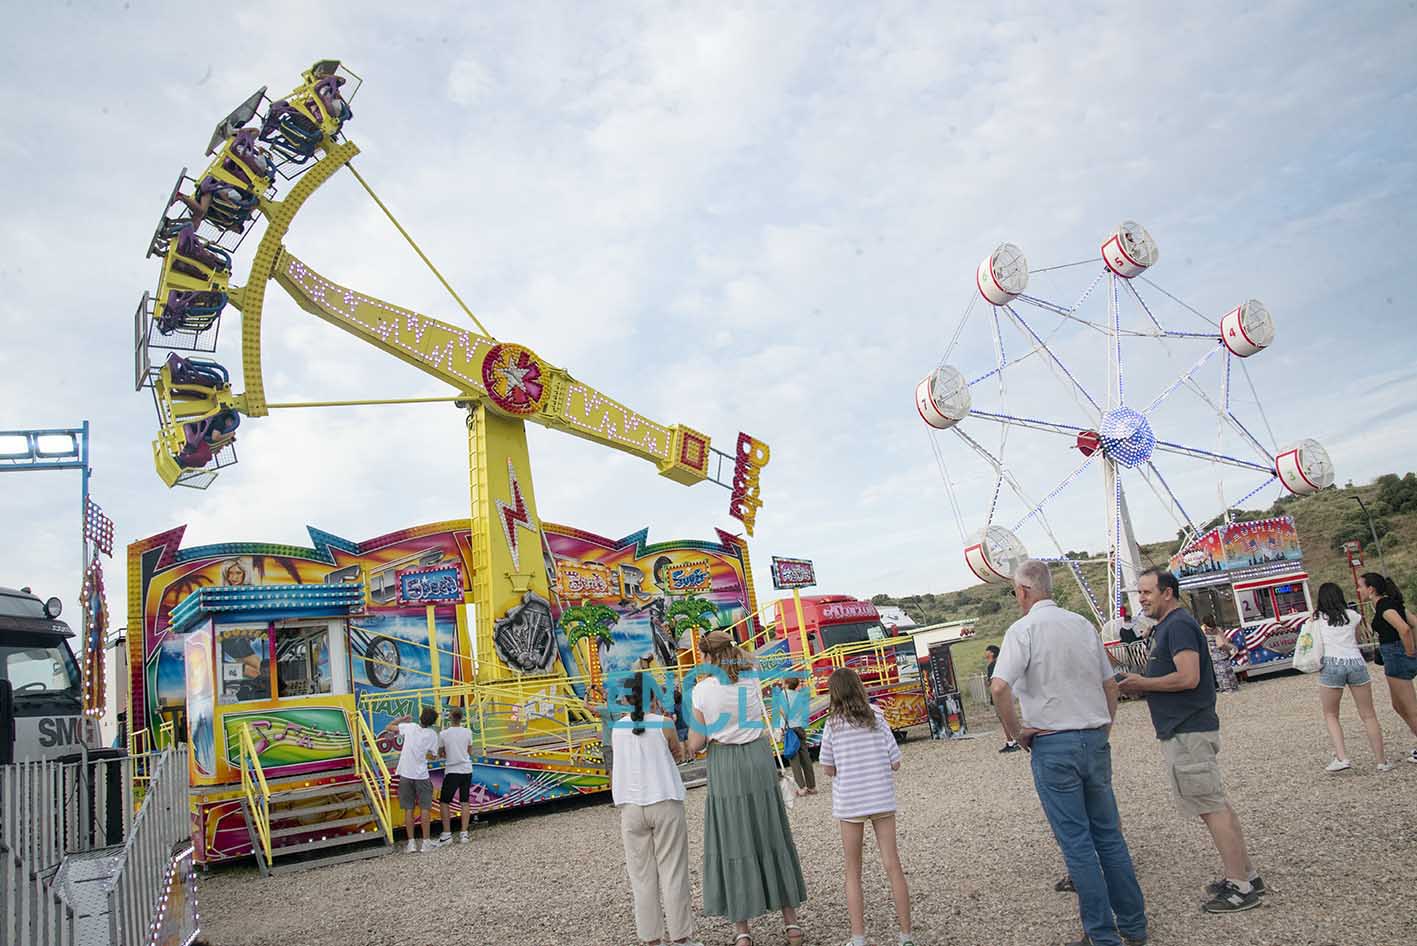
1309 648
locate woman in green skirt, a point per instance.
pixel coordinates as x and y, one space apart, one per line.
750 860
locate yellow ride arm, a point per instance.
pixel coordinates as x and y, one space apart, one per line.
467 361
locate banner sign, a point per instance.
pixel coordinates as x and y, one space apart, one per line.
792 573
430 585
743 503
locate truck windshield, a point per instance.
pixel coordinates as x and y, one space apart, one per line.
834 635
46 670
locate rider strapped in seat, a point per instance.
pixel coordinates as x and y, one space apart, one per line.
296 125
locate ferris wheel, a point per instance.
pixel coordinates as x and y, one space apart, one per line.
1146 346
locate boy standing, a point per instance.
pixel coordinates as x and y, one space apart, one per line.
420 742
455 742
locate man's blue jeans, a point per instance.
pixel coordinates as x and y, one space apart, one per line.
1073 774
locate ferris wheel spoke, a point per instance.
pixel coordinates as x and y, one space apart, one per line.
1056 490
1169 492
1053 360
1245 370
1200 454
1182 303
1189 375
1170 333
1255 492
1011 420
949 484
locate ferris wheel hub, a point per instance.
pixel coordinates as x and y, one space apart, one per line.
1127 437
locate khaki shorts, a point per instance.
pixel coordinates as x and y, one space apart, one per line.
1194 773
870 819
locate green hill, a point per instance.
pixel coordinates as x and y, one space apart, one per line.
1324 520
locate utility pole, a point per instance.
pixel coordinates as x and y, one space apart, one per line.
1376 541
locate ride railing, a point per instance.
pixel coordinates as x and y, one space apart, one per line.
255 789
49 809
369 765
137 891
532 717
877 662
143 749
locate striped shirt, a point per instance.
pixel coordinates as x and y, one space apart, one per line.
864 783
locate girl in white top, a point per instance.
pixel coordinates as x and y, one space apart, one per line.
646 787
1342 667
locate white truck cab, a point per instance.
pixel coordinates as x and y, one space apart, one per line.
41 695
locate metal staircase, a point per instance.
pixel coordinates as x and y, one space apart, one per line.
343 817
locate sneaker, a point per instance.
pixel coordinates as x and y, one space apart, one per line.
1231 900
1065 885
1385 766
1012 746
1411 758
445 838
432 844
1128 940
1256 882
462 837
412 847
1338 765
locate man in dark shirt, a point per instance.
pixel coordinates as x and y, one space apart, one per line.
991 654
1127 629
1179 686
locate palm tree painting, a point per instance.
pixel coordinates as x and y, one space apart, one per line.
694 615
591 623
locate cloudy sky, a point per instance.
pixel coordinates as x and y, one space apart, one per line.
757 217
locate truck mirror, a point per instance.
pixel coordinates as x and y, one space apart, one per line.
7 723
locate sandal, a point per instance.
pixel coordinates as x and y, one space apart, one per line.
795 934
741 937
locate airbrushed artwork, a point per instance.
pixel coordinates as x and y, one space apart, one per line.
296 648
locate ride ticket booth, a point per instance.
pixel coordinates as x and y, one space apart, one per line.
1248 579
273 660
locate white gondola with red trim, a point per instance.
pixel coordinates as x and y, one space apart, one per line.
1003 275
1304 468
1247 329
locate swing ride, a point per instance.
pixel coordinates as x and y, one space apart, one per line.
1113 430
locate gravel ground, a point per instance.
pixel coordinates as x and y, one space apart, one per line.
979 855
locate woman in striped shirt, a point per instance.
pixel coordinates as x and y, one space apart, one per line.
859 754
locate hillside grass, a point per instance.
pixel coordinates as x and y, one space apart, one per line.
1324 521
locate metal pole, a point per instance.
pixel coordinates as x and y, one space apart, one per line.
806 646
1376 541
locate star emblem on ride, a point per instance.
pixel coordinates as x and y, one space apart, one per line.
512 375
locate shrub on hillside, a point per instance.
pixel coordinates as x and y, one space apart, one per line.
990 607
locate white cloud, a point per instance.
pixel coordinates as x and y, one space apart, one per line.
468 82
738 219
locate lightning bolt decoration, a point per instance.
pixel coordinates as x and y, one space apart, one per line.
513 515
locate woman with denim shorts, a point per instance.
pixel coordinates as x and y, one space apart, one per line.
1343 666
1397 642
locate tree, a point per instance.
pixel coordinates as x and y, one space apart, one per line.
692 614
593 624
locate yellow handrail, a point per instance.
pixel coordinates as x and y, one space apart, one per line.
379 799
260 807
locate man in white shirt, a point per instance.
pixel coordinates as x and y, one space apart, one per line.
420 743
455 743
1056 663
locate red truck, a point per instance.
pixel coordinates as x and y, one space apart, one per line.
840 631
